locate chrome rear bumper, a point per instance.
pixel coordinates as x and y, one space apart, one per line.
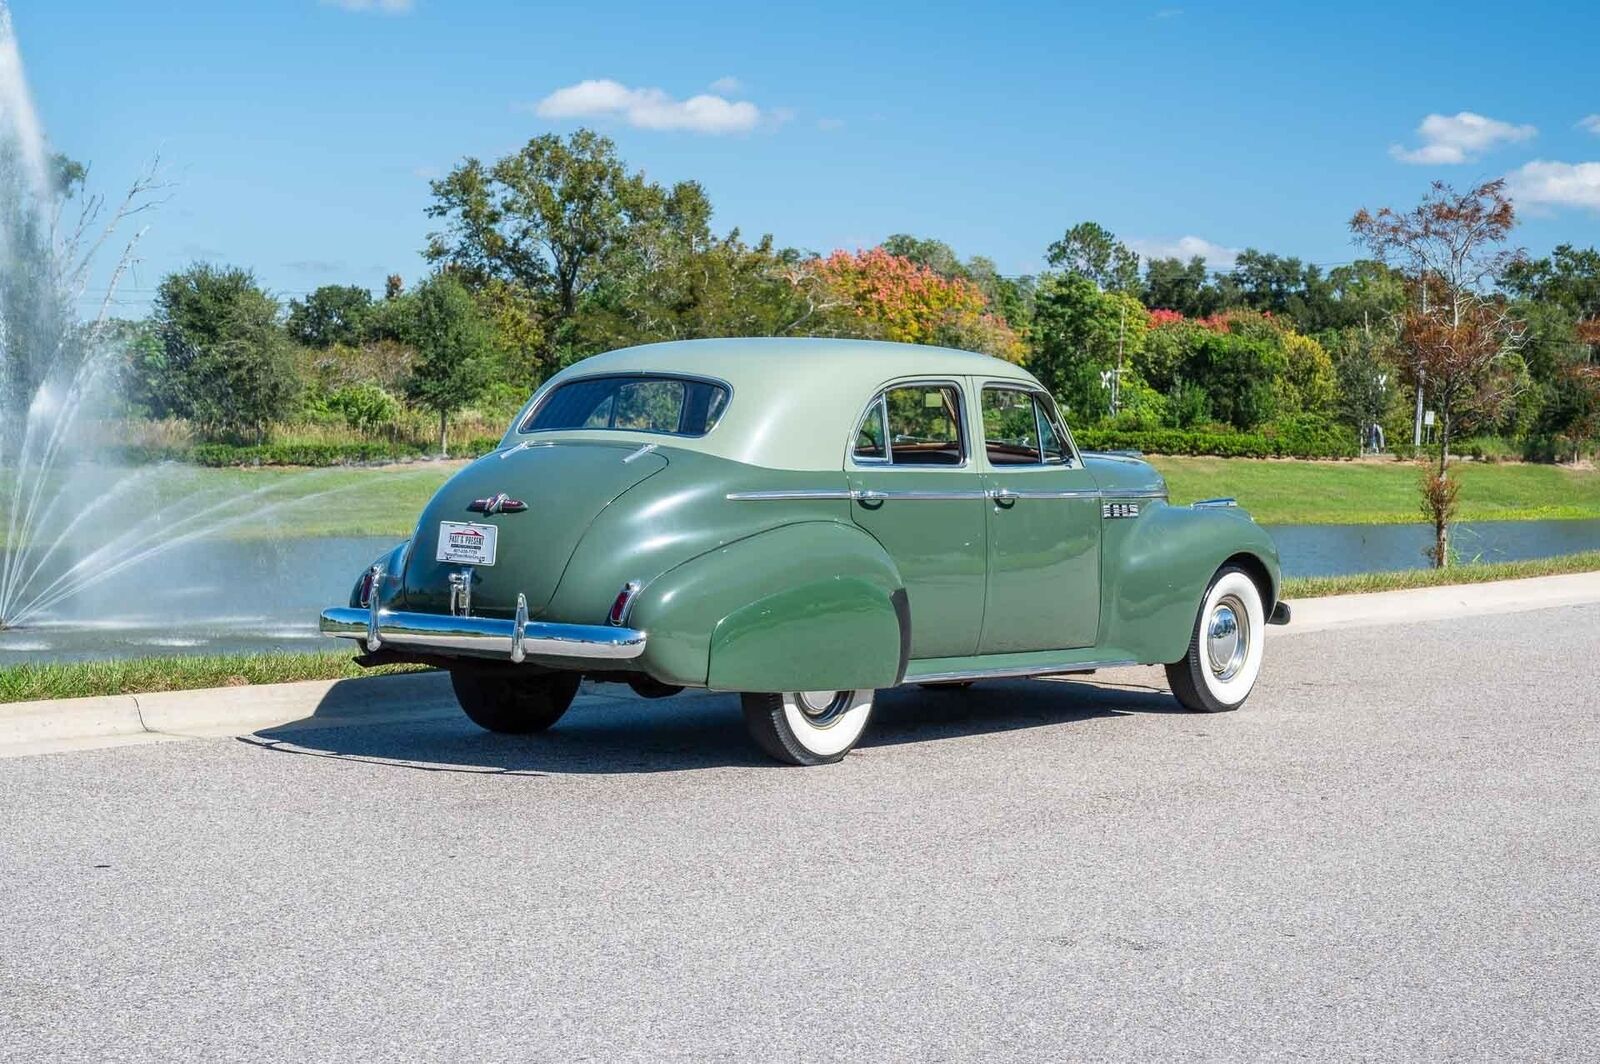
483 636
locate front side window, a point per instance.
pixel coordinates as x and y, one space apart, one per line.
1019 428
674 406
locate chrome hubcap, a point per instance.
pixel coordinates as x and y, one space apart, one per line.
822 708
1227 637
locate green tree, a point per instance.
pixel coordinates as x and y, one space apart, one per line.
1090 250
1077 333
1171 284
552 217
225 363
1238 374
333 314
453 344
1368 378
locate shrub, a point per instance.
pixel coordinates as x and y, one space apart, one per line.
1299 441
365 407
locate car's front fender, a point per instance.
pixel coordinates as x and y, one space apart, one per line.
1155 570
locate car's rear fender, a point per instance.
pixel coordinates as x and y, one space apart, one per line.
816 605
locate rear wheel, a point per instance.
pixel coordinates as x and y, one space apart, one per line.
1225 649
807 727
510 704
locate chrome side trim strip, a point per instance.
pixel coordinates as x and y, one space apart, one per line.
1153 493
790 495
513 639
1008 493
919 496
1017 671
1205 503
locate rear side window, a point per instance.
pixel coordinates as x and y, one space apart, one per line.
912 425
1020 429
673 406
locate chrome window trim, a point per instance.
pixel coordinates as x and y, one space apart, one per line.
878 405
555 386
880 399
1073 458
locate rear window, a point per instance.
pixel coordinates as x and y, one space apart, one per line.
674 406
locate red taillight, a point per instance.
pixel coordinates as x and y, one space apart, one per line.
624 599
364 598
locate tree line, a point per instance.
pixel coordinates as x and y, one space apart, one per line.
560 251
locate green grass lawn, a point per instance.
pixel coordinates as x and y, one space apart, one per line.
33 682
1385 492
385 501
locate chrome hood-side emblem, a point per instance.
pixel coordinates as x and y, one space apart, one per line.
497 504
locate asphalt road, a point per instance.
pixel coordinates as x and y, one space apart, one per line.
1390 853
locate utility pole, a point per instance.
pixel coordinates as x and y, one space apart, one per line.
1416 430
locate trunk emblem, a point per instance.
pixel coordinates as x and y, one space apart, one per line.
497 504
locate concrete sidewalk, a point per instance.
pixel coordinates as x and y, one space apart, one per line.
1441 603
120 720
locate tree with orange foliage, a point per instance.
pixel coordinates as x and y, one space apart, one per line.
1455 339
893 298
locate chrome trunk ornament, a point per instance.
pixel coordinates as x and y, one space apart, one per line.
497 504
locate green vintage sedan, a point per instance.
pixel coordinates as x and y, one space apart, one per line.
804 522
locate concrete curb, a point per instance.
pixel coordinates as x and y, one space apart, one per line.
121 720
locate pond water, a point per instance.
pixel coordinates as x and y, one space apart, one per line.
264 595
1338 550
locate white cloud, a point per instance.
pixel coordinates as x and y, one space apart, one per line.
1591 123
650 108
1186 248
724 86
386 7
1451 139
828 125
1542 184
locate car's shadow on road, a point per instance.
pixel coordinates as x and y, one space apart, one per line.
609 730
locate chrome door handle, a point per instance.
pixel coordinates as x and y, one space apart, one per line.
869 496
1003 496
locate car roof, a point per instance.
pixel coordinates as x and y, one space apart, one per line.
795 400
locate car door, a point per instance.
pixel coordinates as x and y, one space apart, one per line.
1043 527
917 490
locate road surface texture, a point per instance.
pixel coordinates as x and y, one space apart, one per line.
1391 853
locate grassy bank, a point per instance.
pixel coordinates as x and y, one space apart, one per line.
1383 492
1315 586
26 683
385 500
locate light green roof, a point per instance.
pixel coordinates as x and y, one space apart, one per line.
795 400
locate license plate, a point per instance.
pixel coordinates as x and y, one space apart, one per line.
465 543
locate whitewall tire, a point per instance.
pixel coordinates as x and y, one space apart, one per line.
807 727
1226 647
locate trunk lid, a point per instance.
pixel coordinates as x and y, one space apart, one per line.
565 487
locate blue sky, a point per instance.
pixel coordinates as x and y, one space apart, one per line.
299 134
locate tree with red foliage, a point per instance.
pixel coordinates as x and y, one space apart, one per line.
1455 339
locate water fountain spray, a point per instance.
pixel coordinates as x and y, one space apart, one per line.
52 361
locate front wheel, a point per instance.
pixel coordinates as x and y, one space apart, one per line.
1225 650
509 704
807 727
